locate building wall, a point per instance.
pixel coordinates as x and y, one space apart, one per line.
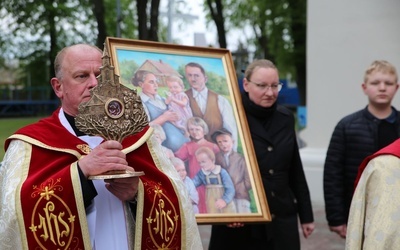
343 38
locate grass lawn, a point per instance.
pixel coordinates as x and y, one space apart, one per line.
9 125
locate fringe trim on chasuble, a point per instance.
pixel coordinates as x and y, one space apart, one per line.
164 217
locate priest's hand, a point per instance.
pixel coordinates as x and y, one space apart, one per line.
105 157
123 188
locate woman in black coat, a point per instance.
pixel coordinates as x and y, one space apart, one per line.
274 138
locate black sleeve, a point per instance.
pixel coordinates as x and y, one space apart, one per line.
334 177
88 189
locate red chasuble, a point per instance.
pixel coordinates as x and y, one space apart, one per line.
51 209
391 149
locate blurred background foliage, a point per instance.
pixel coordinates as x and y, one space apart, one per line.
32 32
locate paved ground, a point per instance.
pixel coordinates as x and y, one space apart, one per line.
322 238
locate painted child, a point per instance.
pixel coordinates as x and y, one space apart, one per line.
236 166
160 136
197 129
193 195
178 101
219 186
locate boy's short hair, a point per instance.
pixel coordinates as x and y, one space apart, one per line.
222 131
207 151
382 66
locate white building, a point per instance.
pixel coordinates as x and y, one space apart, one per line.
343 39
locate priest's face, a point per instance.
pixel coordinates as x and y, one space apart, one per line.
79 68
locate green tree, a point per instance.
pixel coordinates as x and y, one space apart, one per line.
38 29
216 12
120 19
98 7
127 70
279 31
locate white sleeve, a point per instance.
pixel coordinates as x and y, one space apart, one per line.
13 172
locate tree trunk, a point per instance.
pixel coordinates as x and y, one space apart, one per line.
218 16
53 49
299 31
99 13
141 6
262 40
154 12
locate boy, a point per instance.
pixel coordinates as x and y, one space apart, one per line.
193 195
355 137
235 164
219 186
160 136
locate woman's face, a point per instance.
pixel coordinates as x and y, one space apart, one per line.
259 86
149 85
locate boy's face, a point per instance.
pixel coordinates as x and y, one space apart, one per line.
225 143
181 170
380 88
205 162
196 132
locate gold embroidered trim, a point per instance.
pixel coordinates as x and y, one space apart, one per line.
76 183
84 148
43 145
140 142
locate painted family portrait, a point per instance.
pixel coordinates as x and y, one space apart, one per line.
189 95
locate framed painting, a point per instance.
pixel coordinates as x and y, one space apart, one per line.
193 102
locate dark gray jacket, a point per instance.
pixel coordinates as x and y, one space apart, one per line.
354 138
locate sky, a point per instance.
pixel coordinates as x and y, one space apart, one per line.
174 60
184 29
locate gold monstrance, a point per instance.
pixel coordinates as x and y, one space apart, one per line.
113 112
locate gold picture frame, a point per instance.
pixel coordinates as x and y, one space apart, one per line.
163 60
